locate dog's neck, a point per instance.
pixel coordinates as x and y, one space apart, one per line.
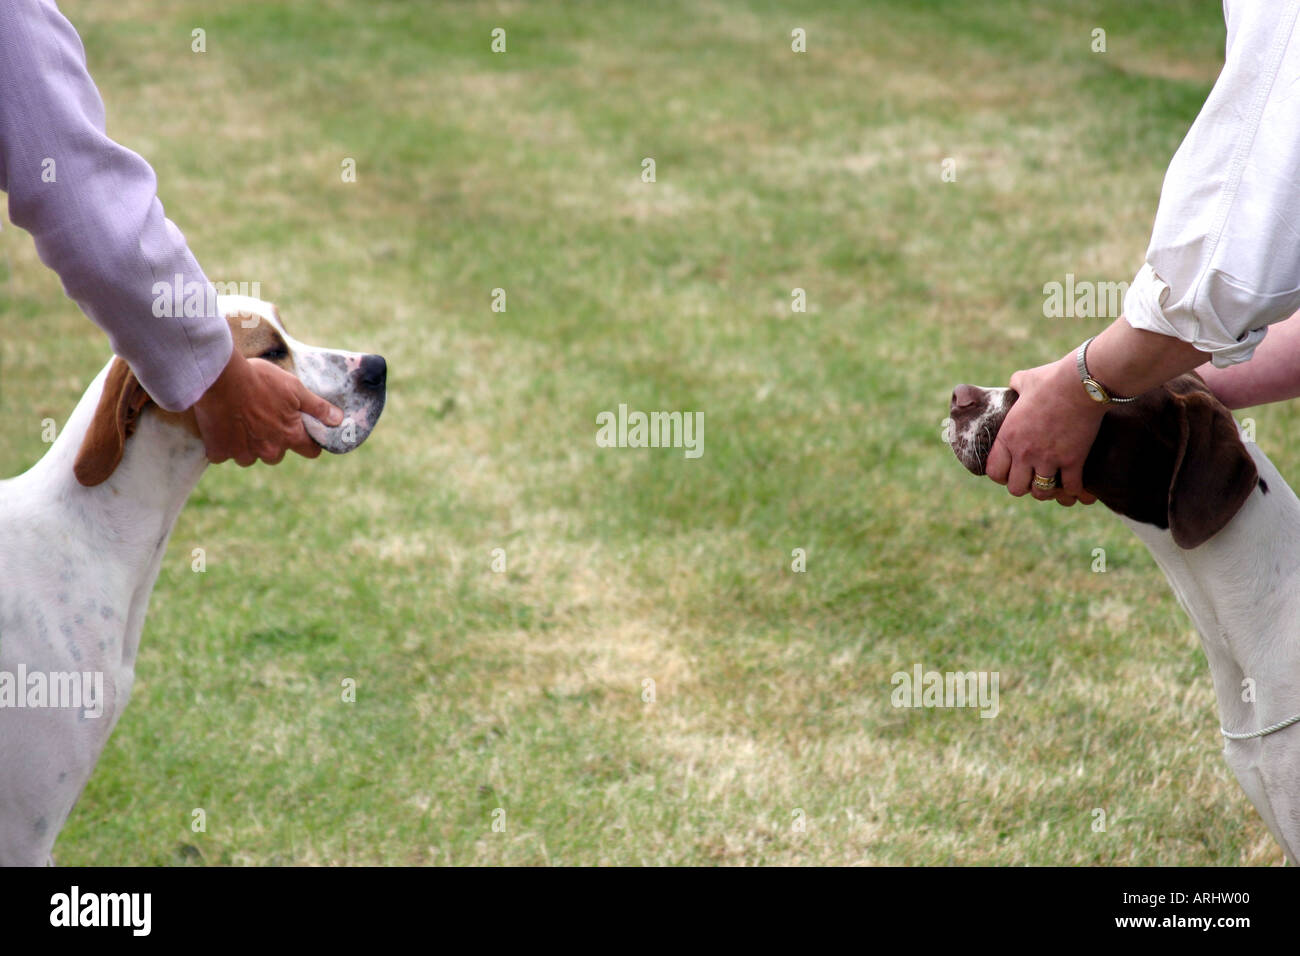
1244 575
136 507
1243 563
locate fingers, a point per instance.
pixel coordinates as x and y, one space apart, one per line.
1071 490
1043 494
234 441
1047 432
260 417
271 454
998 464
303 444
317 407
293 438
1063 497
216 452
216 442
1018 482
1063 494
1072 480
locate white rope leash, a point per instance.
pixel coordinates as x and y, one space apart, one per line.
1274 728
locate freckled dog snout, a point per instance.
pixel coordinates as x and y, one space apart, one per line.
373 372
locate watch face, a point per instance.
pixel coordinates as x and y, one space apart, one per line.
1094 391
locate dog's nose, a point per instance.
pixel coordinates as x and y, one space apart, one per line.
373 372
965 396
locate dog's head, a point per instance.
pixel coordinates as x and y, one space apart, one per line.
352 381
1173 458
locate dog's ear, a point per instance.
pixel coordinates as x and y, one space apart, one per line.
1213 473
115 419
1131 463
1172 459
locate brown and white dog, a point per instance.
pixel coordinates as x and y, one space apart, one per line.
1225 528
81 540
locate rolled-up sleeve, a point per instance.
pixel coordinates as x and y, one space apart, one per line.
93 209
1224 258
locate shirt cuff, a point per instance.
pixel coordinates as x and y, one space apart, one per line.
1144 308
191 358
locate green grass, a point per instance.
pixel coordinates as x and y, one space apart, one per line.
523 690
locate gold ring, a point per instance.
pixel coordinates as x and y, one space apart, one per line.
1044 484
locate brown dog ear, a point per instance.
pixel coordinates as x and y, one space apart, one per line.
1131 464
1213 473
114 420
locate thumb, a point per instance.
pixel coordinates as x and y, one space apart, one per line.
317 407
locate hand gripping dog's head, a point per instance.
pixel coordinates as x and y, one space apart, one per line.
1172 458
352 381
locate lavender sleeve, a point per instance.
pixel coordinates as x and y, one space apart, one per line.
92 207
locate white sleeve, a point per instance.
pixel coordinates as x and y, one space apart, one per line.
1224 259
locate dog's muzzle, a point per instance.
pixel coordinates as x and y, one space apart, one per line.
356 384
977 414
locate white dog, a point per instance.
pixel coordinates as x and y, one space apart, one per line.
81 539
1225 529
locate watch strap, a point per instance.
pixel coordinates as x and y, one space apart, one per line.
1081 364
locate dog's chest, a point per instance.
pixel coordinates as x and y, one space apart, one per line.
64 611
1241 587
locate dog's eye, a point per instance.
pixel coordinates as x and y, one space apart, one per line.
275 353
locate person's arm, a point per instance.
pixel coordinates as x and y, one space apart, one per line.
1054 422
92 207
1223 263
1272 375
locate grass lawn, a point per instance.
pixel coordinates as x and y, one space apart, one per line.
519 696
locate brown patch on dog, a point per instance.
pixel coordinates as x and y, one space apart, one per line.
261 339
1173 459
115 419
124 399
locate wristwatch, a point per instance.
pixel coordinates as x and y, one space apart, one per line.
1096 391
